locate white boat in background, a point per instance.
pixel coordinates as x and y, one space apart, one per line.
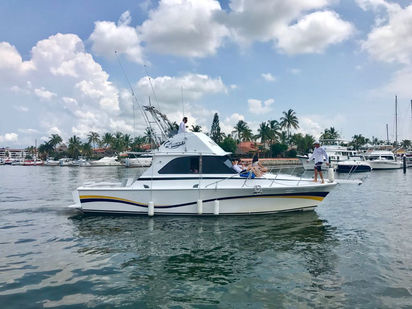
82 162
353 165
138 159
17 162
408 157
65 162
382 160
336 153
51 162
191 175
106 161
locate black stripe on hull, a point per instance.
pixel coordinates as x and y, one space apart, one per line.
139 213
317 194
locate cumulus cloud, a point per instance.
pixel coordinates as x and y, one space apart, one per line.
170 90
12 66
108 38
63 86
268 77
9 137
313 33
184 28
44 94
290 25
259 108
196 29
315 124
390 41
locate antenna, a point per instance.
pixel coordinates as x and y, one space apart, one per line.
133 95
183 102
151 86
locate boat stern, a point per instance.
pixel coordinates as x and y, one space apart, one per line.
76 199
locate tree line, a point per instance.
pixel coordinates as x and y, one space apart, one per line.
274 138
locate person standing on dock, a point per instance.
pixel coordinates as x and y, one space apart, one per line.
182 126
319 155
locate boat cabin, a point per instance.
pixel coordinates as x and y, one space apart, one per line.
190 153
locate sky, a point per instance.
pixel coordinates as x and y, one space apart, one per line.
70 67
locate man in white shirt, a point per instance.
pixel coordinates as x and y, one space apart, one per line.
319 155
235 165
182 126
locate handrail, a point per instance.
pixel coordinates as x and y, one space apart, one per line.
212 183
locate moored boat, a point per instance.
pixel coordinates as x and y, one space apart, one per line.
382 160
353 166
106 161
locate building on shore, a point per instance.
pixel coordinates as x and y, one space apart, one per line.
12 153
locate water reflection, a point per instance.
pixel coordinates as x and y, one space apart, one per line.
198 254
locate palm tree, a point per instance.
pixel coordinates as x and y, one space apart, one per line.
138 143
93 138
406 143
196 128
289 120
149 135
31 150
117 143
330 134
275 128
127 141
107 139
55 140
86 150
74 147
358 141
45 149
244 133
283 137
264 132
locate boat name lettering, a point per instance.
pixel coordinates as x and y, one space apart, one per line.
173 145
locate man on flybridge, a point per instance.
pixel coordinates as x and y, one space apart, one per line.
182 126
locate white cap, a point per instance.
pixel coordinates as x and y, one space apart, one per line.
316 142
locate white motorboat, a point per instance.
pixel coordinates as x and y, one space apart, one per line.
336 153
65 162
383 160
190 174
17 162
137 159
353 165
106 161
51 162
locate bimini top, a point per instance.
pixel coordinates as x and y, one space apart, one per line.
190 143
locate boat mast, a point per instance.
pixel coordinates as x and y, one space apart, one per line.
396 120
387 134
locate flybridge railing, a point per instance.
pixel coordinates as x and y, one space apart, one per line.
263 178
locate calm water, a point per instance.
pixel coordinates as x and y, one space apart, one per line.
354 251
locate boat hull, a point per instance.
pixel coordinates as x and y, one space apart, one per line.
232 201
355 168
385 165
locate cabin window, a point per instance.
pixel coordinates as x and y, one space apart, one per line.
184 165
190 165
217 165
